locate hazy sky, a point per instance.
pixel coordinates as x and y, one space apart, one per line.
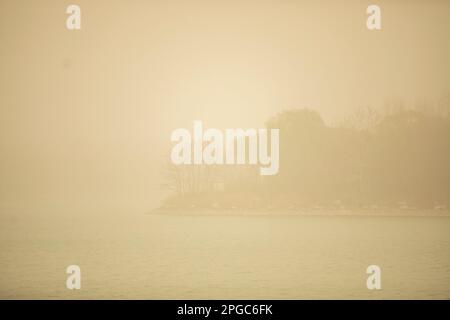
85 116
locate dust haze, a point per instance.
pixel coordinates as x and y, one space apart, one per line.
86 116
85 123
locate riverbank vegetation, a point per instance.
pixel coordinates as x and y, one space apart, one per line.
397 159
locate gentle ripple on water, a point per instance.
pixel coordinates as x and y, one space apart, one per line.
157 257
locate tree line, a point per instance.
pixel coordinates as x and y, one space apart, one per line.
399 158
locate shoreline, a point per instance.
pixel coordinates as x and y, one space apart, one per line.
387 212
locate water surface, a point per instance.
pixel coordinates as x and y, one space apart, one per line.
249 257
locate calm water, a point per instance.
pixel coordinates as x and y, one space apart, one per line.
150 256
